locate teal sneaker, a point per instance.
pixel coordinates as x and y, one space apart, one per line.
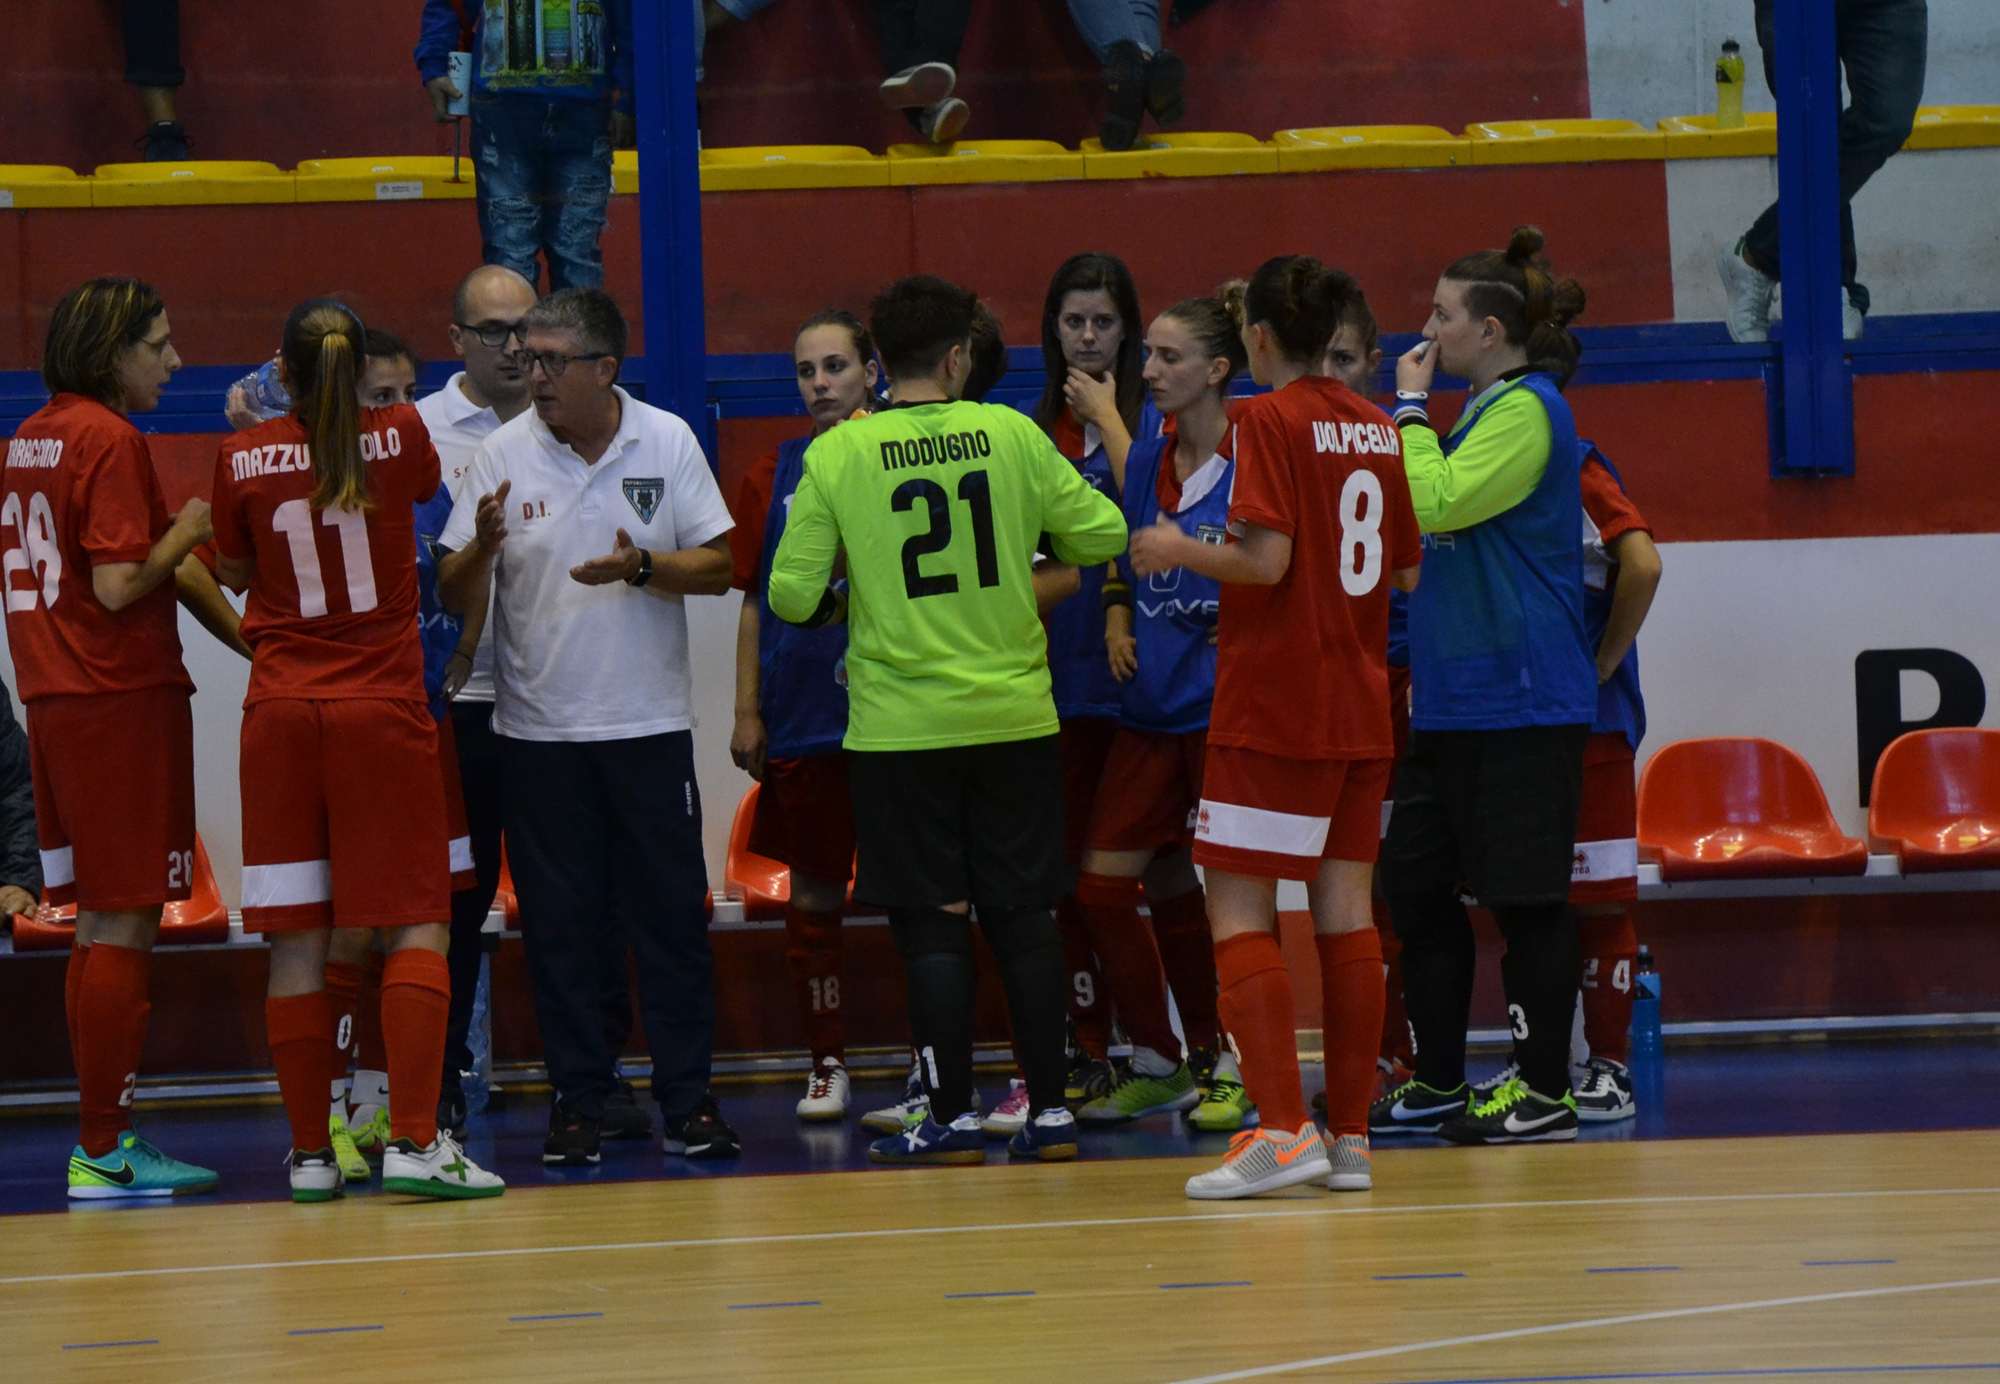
1514 1114
134 1168
1134 1094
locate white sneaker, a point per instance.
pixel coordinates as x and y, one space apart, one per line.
1263 1160
910 1110
1852 318
1604 1092
826 1092
441 1170
1353 1168
1010 1116
315 1175
1750 291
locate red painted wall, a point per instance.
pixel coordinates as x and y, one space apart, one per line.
310 80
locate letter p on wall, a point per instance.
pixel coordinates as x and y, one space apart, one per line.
1878 699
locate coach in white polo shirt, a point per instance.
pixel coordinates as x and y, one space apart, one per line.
592 516
486 309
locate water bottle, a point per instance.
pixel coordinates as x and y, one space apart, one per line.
265 392
478 1082
1648 1056
1729 86
558 36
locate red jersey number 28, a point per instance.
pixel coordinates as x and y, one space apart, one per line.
36 552
294 520
1360 533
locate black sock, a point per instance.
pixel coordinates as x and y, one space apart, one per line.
1439 958
1029 949
937 955
1539 971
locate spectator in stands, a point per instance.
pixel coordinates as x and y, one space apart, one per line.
920 41
592 710
548 104
711 15
1882 47
1141 78
20 861
153 65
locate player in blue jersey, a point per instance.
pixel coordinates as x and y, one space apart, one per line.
1160 637
791 707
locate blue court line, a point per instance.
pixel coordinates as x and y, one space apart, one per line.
555 1316
1637 1268
330 1330
760 1306
1406 1277
1840 1263
1775 1372
111 1345
1002 1293
1224 1283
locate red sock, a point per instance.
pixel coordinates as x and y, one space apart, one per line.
298 1025
1181 925
1350 987
1256 1009
1131 960
72 989
368 1054
1396 1045
416 1001
1087 1009
1610 946
113 1004
812 950
343 993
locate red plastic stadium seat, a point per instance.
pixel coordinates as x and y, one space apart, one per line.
202 918
1734 808
1936 800
763 884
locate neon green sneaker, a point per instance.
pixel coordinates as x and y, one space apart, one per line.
353 1166
372 1134
1134 1094
1226 1108
134 1168
1514 1114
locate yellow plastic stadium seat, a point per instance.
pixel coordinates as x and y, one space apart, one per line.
791 166
1563 141
624 170
1370 146
397 178
193 184
1955 127
1209 155
983 161
41 185
1696 137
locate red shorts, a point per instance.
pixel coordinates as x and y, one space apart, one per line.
1605 868
114 797
805 817
455 829
343 816
1277 818
1086 744
1151 788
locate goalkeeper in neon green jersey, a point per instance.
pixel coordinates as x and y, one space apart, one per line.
940 507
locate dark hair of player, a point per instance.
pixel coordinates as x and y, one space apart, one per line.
917 320
989 355
1534 308
591 314
1301 301
864 344
1089 273
1217 325
1361 317
90 326
322 353
381 345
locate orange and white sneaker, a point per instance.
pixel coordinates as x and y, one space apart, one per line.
1264 1160
1353 1168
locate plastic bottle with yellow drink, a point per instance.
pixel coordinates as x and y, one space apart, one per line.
1729 86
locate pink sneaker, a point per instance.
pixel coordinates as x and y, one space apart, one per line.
1010 1116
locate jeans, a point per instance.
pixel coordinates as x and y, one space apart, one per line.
1881 45
1105 22
739 10
604 840
543 183
920 31
153 43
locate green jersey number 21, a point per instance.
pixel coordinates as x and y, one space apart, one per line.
977 496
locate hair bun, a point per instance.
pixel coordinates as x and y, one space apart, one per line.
1525 244
1231 293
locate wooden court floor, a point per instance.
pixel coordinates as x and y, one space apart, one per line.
1798 1257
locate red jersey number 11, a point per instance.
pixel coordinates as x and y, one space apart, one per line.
294 520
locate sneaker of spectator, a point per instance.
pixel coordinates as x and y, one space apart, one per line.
924 93
1141 77
165 141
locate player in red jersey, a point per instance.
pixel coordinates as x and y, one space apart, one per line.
90 566
343 801
1298 747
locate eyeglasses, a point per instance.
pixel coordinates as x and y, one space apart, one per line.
492 335
554 363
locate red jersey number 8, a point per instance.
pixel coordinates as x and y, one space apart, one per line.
1360 533
36 551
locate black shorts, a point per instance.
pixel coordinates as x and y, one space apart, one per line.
976 823
1489 811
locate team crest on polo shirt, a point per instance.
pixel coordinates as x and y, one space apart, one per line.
1211 533
644 494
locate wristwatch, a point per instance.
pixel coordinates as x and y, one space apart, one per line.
645 572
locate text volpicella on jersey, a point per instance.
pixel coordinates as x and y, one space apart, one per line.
898 453
1348 438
